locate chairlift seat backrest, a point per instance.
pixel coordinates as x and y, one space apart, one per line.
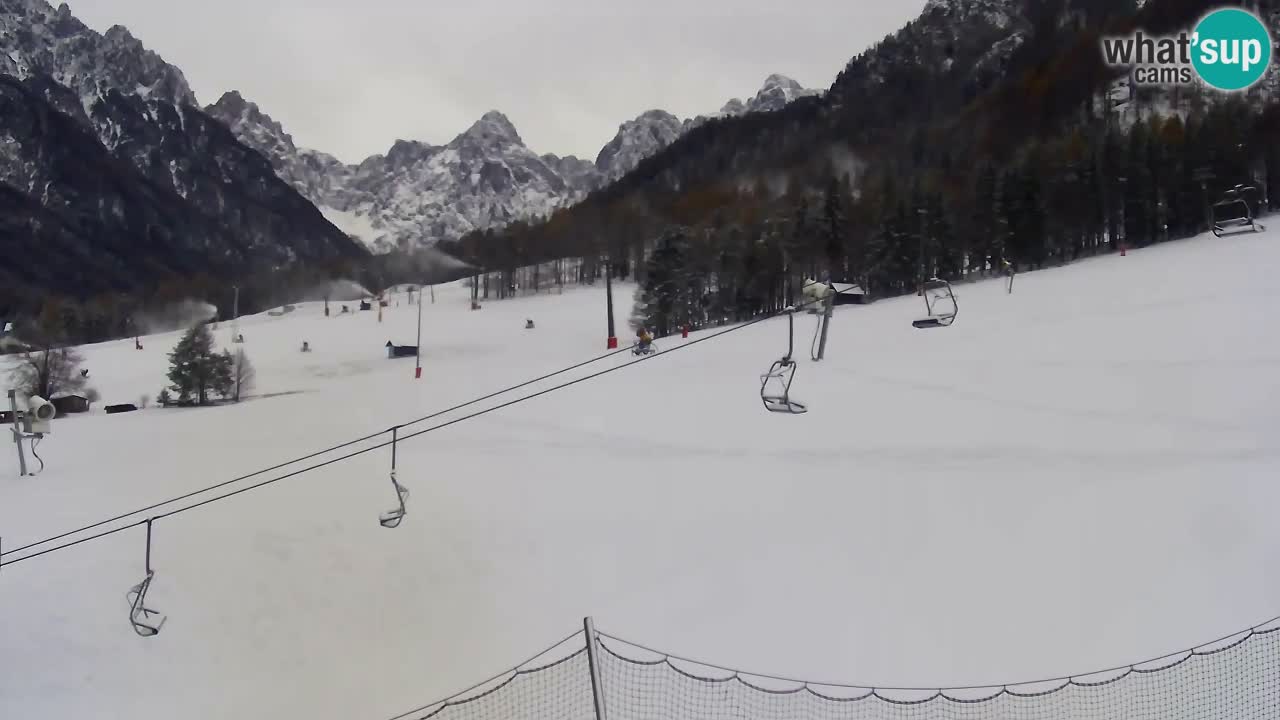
940 305
775 388
139 614
391 519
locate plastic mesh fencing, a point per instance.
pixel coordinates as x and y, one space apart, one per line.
1238 680
1233 679
558 690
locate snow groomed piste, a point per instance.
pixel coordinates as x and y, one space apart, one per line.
1065 477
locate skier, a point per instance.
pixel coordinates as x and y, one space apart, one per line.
645 340
528 324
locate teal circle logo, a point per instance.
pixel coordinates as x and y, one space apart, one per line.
1231 49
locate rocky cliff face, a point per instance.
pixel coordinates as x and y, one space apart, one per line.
419 194
638 139
111 174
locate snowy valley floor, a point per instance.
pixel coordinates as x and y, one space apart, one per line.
1076 476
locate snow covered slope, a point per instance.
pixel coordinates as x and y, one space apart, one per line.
1079 475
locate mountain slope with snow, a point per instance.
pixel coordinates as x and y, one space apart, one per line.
418 194
654 130
1075 476
112 178
36 38
636 140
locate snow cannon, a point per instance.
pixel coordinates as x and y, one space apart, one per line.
40 414
814 293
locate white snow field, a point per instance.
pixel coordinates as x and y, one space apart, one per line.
1077 476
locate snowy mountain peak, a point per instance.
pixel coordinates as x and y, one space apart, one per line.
35 38
493 127
733 107
636 140
114 34
232 104
777 92
653 130
781 81
254 127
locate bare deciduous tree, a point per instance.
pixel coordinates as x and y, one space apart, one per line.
48 372
242 375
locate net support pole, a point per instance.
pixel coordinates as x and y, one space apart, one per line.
597 692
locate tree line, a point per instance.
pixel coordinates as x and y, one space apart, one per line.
63 320
934 153
710 257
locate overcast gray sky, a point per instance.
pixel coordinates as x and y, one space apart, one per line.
349 77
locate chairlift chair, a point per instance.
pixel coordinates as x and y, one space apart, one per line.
391 519
939 303
775 385
140 616
637 349
1235 212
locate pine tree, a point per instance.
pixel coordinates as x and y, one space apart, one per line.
835 219
196 370
985 230
663 300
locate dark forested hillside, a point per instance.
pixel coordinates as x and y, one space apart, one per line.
986 130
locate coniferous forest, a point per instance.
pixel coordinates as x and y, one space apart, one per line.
935 153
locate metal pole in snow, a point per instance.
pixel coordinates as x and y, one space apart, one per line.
17 433
417 371
826 320
597 692
608 294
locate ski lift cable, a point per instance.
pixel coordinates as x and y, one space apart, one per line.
310 456
379 446
189 495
